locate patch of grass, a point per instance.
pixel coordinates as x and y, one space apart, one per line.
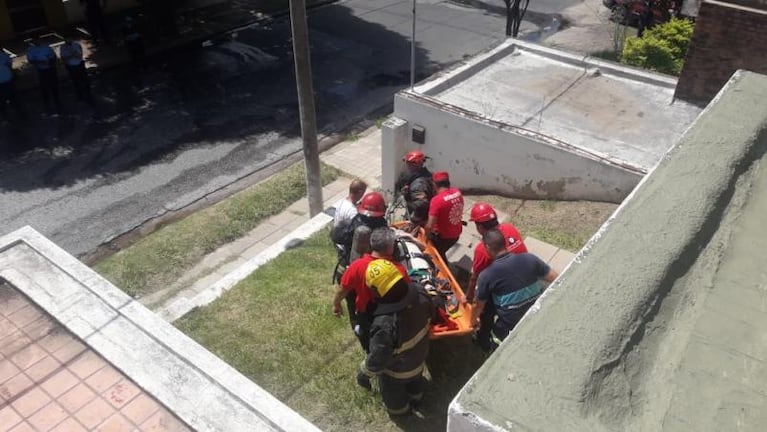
276 328
157 260
548 205
353 136
565 224
380 121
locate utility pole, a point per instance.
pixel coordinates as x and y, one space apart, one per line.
306 104
412 52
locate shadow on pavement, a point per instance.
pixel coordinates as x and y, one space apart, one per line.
237 91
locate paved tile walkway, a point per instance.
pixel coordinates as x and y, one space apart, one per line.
50 381
357 158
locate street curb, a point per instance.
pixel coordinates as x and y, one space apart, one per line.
181 306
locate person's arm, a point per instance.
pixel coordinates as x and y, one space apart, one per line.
341 293
550 276
476 311
430 223
381 348
470 288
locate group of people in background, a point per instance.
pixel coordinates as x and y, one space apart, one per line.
390 314
44 60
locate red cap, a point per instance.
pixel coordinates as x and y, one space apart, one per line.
440 176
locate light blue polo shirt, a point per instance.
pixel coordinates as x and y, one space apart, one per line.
71 53
40 56
6 68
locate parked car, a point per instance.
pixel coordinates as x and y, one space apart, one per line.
629 11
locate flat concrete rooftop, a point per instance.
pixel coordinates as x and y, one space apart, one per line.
623 114
660 322
76 353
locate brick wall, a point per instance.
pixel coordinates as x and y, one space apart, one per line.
727 37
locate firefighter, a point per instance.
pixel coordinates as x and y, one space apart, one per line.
485 218
353 288
370 213
399 337
445 223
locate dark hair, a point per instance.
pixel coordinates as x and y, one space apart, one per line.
444 183
494 241
489 224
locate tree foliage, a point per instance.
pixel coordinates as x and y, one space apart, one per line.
662 48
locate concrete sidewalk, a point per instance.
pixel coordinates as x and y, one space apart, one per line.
220 270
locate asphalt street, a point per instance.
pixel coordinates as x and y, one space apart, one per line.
199 119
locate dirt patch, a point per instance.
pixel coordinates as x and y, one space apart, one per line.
566 224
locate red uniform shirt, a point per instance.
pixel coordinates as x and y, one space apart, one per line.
447 207
354 278
514 244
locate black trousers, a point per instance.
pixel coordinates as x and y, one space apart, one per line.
442 245
359 321
398 395
79 77
8 96
486 322
49 86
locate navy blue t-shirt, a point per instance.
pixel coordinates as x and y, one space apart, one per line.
512 281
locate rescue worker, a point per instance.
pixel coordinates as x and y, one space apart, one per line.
370 213
484 217
416 187
42 57
445 224
7 92
346 208
511 283
414 168
353 288
72 55
399 338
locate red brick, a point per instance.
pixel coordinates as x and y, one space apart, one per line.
76 397
15 386
56 340
86 364
23 427
140 408
42 369
103 379
11 301
13 343
69 351
59 383
40 328
8 418
25 316
48 417
8 370
116 423
30 402
94 413
121 393
163 421
69 425
28 356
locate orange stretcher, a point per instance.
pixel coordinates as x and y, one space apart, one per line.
457 323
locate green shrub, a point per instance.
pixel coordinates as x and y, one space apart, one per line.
661 48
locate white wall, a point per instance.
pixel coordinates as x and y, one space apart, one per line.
484 156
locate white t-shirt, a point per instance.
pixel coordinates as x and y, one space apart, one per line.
345 210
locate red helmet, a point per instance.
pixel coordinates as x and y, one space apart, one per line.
415 157
482 212
372 204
